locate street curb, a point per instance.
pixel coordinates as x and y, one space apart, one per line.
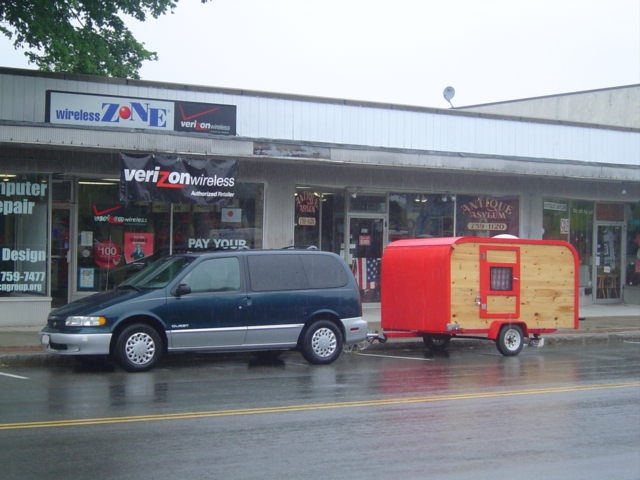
34 357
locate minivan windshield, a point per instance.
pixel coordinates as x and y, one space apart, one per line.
159 273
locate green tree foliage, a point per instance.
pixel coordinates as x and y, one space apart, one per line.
81 36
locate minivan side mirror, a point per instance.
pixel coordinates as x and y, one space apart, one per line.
182 289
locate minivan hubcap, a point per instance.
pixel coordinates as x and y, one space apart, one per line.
140 348
324 342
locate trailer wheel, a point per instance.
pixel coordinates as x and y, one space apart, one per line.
510 340
436 342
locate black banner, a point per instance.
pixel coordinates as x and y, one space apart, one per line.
205 118
176 179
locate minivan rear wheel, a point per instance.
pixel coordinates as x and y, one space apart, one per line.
322 343
138 348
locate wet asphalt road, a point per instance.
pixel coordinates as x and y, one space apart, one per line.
561 412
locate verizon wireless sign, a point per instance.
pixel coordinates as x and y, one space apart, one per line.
140 113
205 118
99 110
175 179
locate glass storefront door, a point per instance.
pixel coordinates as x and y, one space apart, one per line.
366 242
60 256
608 254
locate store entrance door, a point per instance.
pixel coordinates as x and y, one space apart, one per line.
60 255
609 272
366 242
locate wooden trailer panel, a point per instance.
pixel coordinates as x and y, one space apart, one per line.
465 287
549 285
542 293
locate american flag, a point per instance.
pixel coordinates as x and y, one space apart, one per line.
367 272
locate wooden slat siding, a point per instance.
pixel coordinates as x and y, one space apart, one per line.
546 286
465 286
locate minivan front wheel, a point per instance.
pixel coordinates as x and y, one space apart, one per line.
322 343
138 348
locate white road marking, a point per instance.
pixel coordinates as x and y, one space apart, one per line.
14 376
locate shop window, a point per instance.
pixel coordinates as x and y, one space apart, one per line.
555 220
116 240
367 203
420 215
220 227
572 221
581 237
633 245
23 235
61 191
319 219
307 204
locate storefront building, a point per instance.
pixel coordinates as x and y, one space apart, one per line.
277 171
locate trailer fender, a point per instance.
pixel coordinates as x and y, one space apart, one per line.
494 328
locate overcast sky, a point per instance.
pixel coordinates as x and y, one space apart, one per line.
400 51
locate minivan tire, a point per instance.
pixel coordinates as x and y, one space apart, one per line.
138 348
322 342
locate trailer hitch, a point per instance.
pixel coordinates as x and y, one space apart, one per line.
373 337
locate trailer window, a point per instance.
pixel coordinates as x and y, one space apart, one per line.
501 279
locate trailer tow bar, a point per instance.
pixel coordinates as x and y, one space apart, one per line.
373 337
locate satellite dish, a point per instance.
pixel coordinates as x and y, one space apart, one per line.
448 94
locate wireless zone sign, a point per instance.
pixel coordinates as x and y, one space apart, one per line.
99 110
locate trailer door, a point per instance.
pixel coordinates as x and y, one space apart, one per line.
499 281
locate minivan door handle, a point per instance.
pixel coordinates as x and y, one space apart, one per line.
246 302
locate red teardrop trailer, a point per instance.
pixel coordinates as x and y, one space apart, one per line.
503 289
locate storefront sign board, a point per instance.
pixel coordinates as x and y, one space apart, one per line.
176 179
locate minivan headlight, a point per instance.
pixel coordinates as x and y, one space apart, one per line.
82 321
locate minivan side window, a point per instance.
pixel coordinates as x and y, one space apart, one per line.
276 272
324 271
215 275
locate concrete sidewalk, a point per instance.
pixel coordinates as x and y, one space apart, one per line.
599 323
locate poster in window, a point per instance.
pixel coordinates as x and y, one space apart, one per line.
137 246
307 208
86 278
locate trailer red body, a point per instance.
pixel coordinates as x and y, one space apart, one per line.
504 289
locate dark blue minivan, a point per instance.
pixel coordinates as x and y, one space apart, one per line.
241 300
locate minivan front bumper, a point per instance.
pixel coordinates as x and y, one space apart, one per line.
75 343
355 329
